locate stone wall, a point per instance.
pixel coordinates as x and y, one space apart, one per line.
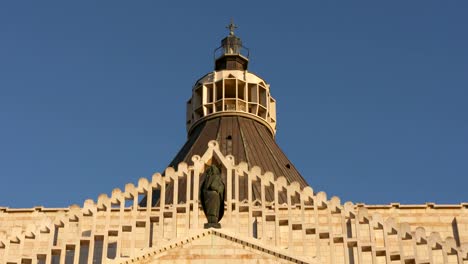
308 228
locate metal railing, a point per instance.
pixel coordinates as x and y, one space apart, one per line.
229 49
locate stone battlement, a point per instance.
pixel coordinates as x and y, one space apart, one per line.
307 227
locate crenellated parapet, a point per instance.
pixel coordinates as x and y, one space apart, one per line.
297 224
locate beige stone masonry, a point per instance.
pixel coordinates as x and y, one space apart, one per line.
231 92
218 246
309 227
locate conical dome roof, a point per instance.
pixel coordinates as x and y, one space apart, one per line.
235 108
247 141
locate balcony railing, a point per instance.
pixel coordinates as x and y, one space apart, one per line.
231 49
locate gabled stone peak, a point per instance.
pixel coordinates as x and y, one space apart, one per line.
120 219
247 243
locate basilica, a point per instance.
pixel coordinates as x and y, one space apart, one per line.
261 209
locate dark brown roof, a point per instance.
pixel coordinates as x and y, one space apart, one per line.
247 140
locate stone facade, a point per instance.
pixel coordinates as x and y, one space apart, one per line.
308 228
268 218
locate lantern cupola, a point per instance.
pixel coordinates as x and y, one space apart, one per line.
231 90
231 55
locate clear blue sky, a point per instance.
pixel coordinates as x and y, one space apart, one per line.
372 95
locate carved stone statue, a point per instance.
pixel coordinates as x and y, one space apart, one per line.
212 196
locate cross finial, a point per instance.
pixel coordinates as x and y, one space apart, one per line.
231 27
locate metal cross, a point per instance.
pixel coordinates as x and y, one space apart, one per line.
231 27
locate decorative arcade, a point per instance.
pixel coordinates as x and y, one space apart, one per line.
230 195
